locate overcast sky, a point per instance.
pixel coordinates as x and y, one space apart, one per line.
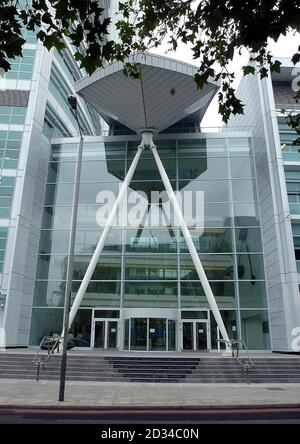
284 47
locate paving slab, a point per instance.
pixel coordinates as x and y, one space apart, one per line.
24 393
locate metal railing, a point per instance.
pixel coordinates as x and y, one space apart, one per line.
49 344
237 345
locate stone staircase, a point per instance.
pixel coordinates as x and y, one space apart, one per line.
280 369
79 368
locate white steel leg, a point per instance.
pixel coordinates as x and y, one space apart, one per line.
92 265
192 249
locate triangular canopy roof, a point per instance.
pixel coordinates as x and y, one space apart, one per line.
165 93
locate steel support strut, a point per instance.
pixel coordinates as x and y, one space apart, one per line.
190 244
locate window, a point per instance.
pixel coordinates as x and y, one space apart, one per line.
22 67
13 115
10 144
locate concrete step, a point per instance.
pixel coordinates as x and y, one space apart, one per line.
152 369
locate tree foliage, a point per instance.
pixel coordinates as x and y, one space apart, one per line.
214 29
83 22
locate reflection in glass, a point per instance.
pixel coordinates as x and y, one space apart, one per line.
147 240
187 336
87 216
61 172
54 242
202 147
45 322
217 267
192 294
86 241
105 294
57 218
217 214
201 336
239 146
108 268
126 334
252 294
89 192
255 329
99 334
230 321
192 168
171 335
112 334
51 267
59 194
138 339
167 149
49 293
248 240
147 169
80 332
242 167
151 294
150 267
66 151
244 190
157 334
246 215
216 191
103 171
250 267
212 240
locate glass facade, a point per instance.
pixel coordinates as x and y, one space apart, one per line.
14 115
290 154
147 267
10 145
22 67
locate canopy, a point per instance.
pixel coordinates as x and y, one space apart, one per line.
165 93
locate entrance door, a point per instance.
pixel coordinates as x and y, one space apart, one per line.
187 336
112 334
201 336
105 333
157 334
195 335
99 334
150 334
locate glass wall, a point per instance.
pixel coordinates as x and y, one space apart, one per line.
22 67
291 153
10 145
14 115
148 265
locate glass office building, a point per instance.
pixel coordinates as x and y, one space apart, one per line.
145 293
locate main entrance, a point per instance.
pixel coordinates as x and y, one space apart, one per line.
195 330
195 335
150 334
105 333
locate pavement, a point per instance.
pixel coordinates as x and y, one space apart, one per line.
17 393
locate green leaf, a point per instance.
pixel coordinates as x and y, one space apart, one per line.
248 70
296 58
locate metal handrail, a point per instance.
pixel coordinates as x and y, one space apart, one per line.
235 344
48 343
